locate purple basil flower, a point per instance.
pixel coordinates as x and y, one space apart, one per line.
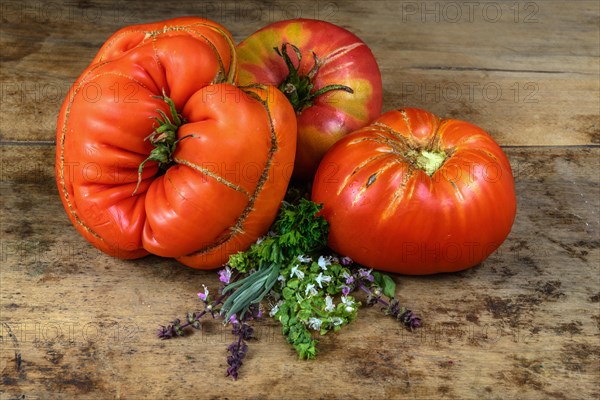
225 275
203 296
346 290
347 261
366 273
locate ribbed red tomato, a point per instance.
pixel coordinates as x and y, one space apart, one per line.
330 76
215 159
415 194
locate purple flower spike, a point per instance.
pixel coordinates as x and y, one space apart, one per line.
410 320
238 351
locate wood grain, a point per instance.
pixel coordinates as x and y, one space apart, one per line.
524 324
525 71
75 323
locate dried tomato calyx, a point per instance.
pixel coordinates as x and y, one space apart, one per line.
163 138
428 161
299 88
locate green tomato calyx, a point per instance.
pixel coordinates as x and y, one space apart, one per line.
163 138
299 88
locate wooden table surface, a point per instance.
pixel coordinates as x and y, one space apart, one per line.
76 323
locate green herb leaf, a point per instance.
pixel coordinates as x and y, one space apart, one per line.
386 283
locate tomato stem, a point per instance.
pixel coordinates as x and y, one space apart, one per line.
163 138
299 88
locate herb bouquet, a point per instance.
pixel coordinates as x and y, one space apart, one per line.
292 277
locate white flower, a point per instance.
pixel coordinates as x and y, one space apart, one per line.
275 308
260 239
329 304
314 323
337 321
310 290
348 302
297 272
324 262
322 278
304 259
281 279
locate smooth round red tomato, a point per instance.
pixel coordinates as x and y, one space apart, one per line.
215 159
329 75
416 194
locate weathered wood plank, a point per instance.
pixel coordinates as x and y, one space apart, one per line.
524 324
526 71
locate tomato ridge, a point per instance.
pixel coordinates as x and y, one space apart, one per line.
185 28
237 228
213 175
